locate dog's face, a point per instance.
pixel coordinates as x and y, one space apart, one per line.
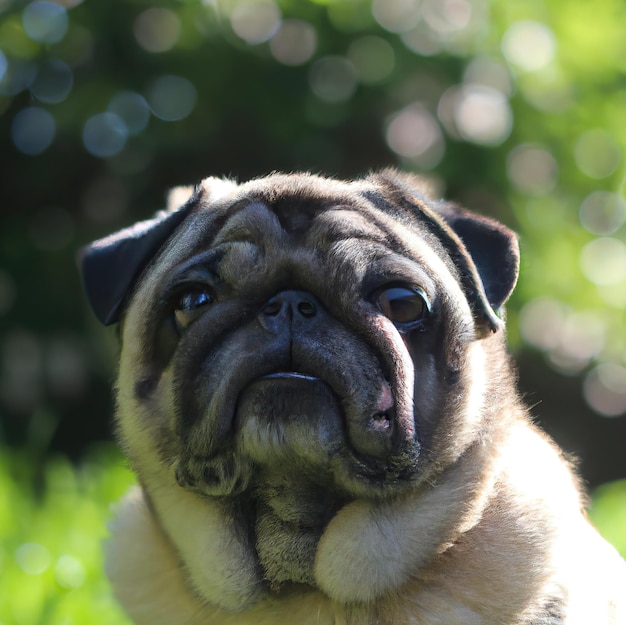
295 343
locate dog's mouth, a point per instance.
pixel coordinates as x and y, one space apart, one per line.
283 416
380 418
348 429
295 417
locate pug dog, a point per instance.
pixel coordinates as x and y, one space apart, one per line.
315 394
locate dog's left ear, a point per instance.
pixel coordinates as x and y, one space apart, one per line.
493 248
485 252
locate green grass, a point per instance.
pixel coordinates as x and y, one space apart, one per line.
51 569
51 546
608 513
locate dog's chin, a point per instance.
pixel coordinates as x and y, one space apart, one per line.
296 430
289 418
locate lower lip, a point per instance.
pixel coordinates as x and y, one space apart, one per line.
289 375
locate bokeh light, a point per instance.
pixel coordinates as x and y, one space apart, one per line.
580 339
615 297
294 43
429 27
255 21
104 135
33 130
541 321
489 73
45 22
69 572
333 79
396 16
597 153
571 339
602 213
414 134
172 98
482 115
422 40
533 170
18 75
157 29
447 16
53 82
33 558
603 261
133 109
605 389
529 45
373 58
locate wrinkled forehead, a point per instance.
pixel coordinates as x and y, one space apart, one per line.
334 247
292 218
273 227
309 234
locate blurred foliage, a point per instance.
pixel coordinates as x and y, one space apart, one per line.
511 108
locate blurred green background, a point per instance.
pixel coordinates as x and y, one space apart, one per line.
515 109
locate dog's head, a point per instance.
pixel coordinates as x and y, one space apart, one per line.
300 335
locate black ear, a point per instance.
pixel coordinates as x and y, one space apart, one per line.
485 253
111 266
493 248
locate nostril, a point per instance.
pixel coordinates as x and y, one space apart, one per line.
288 304
307 309
272 308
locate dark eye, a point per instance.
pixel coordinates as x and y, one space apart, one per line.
407 307
190 304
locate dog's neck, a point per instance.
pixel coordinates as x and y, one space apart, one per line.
289 519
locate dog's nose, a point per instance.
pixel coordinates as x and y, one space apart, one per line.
287 307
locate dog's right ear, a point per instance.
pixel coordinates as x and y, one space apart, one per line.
111 266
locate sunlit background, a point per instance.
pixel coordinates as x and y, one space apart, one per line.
515 109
